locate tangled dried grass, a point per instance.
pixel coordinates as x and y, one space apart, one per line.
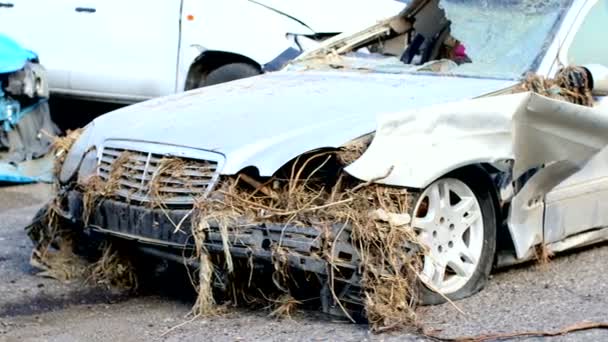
353 150
96 188
114 269
55 239
53 245
62 145
60 263
284 306
54 254
570 84
543 256
312 192
387 250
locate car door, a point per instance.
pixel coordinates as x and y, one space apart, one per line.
129 48
580 202
43 27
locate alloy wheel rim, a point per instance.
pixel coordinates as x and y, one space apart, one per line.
448 221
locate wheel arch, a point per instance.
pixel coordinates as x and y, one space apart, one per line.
210 60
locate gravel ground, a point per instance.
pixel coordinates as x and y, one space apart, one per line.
570 289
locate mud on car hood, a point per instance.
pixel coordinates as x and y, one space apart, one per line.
267 120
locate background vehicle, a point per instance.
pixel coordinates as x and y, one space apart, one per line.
134 50
26 128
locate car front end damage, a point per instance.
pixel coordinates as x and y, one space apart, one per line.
310 226
26 129
342 223
363 228
341 227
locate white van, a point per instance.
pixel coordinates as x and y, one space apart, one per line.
133 50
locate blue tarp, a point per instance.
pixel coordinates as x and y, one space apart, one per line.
12 56
37 170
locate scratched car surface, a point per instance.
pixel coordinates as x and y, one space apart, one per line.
498 173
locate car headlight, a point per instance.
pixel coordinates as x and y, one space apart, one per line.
88 166
75 155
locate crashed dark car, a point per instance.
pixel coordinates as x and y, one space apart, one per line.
424 136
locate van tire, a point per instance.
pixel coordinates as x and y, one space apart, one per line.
229 72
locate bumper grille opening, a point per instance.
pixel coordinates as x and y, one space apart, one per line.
143 169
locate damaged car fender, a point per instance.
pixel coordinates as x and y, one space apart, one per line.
419 146
555 139
561 138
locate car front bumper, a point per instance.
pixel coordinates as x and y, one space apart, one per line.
168 232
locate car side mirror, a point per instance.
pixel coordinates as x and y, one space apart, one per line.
599 79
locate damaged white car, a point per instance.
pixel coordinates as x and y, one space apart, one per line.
463 149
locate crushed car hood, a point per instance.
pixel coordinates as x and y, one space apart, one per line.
267 120
349 15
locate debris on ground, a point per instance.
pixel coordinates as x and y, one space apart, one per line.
582 326
386 251
114 269
53 251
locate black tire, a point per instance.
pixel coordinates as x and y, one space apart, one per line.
474 179
229 72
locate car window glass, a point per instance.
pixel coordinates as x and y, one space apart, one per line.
588 46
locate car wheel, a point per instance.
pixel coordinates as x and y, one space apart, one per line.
455 218
229 72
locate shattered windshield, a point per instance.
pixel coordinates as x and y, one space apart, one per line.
483 38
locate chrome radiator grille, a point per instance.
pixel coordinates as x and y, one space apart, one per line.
139 172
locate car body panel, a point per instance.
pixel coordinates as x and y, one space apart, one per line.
126 47
530 129
580 202
303 111
36 24
435 140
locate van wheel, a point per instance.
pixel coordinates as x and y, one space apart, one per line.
455 219
229 72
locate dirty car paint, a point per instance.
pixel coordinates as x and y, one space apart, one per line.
305 111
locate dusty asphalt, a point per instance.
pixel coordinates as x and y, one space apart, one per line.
573 288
